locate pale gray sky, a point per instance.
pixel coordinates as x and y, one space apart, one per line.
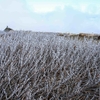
51 15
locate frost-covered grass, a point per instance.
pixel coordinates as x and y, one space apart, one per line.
40 66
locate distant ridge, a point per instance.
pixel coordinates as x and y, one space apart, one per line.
7 29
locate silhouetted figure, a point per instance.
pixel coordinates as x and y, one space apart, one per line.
7 29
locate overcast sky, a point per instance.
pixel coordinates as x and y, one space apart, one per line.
51 15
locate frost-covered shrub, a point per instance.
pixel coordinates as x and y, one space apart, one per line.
38 66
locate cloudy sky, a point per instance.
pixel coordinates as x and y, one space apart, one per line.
51 15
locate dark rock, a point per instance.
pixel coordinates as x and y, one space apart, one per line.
7 29
98 37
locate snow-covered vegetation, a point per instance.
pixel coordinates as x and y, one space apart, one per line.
45 66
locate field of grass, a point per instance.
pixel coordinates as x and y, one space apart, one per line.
45 66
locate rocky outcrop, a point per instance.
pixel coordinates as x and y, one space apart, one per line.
94 36
7 29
